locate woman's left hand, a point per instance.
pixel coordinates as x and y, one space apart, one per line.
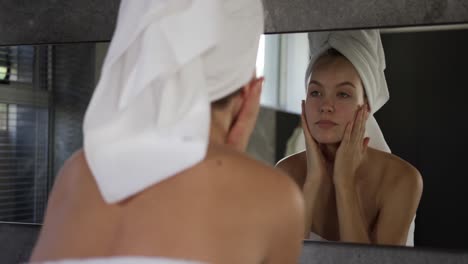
352 148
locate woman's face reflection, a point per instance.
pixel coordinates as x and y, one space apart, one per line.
334 94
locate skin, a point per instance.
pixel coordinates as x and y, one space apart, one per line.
228 208
352 193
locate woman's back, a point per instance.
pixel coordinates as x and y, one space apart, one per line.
227 198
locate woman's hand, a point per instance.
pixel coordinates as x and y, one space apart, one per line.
316 164
352 149
245 123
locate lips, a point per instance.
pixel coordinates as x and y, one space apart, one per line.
326 124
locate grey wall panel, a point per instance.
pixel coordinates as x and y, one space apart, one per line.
56 21
308 15
331 253
17 242
60 21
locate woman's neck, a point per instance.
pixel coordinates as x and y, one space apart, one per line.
329 151
329 154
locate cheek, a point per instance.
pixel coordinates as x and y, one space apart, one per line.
311 111
346 111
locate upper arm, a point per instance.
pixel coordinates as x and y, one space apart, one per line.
46 243
399 207
286 234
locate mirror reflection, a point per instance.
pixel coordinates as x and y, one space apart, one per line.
407 187
354 188
410 134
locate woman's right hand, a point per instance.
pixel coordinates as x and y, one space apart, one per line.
316 165
317 178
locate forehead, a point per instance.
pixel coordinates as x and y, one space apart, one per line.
332 70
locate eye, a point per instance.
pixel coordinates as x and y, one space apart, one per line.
314 93
343 95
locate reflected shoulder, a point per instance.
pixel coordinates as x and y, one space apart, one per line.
292 160
400 173
295 166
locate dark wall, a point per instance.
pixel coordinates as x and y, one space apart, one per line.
17 242
424 123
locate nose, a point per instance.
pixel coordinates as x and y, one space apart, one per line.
327 107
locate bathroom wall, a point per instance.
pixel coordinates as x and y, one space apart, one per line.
72 85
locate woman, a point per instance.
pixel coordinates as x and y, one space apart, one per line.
353 188
162 177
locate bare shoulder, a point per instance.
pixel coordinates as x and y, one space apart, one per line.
398 173
256 172
263 188
254 183
62 210
75 165
295 166
73 178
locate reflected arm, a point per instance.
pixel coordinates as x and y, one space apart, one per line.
350 216
399 207
313 191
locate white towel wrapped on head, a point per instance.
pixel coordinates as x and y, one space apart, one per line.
149 116
363 48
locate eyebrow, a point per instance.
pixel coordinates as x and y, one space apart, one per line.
315 82
340 84
346 83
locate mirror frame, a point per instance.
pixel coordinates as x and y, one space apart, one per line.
71 21
66 21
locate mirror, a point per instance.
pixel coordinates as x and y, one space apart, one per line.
44 91
422 123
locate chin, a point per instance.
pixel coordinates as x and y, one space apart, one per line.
327 139
328 142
